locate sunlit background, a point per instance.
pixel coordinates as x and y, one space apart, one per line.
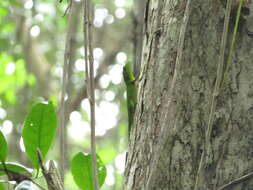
32 43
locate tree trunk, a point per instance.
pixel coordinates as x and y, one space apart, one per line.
174 102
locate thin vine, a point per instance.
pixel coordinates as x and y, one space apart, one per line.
89 72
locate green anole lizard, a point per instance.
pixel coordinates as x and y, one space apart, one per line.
131 90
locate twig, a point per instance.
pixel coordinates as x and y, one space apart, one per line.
91 87
207 145
14 176
53 182
86 39
67 61
237 181
164 128
68 7
6 170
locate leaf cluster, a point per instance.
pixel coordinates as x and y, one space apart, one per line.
38 134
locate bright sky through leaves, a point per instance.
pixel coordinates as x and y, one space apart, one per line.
121 57
104 81
120 13
2 113
119 3
110 179
28 4
120 162
10 68
7 127
35 31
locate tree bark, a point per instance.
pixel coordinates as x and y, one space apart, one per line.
174 102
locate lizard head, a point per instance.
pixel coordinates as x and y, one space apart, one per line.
127 73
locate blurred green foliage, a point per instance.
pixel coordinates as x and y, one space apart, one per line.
13 77
21 87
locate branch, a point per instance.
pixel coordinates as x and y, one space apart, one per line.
74 104
69 55
52 178
237 181
89 69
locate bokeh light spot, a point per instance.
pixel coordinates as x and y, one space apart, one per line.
119 3
121 57
2 113
115 74
109 19
7 127
98 53
104 81
80 65
10 68
120 162
35 31
28 4
110 179
109 95
120 13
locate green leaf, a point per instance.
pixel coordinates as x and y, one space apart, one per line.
3 148
1 186
81 169
14 167
108 154
39 130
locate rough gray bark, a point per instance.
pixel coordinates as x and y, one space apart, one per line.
188 113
